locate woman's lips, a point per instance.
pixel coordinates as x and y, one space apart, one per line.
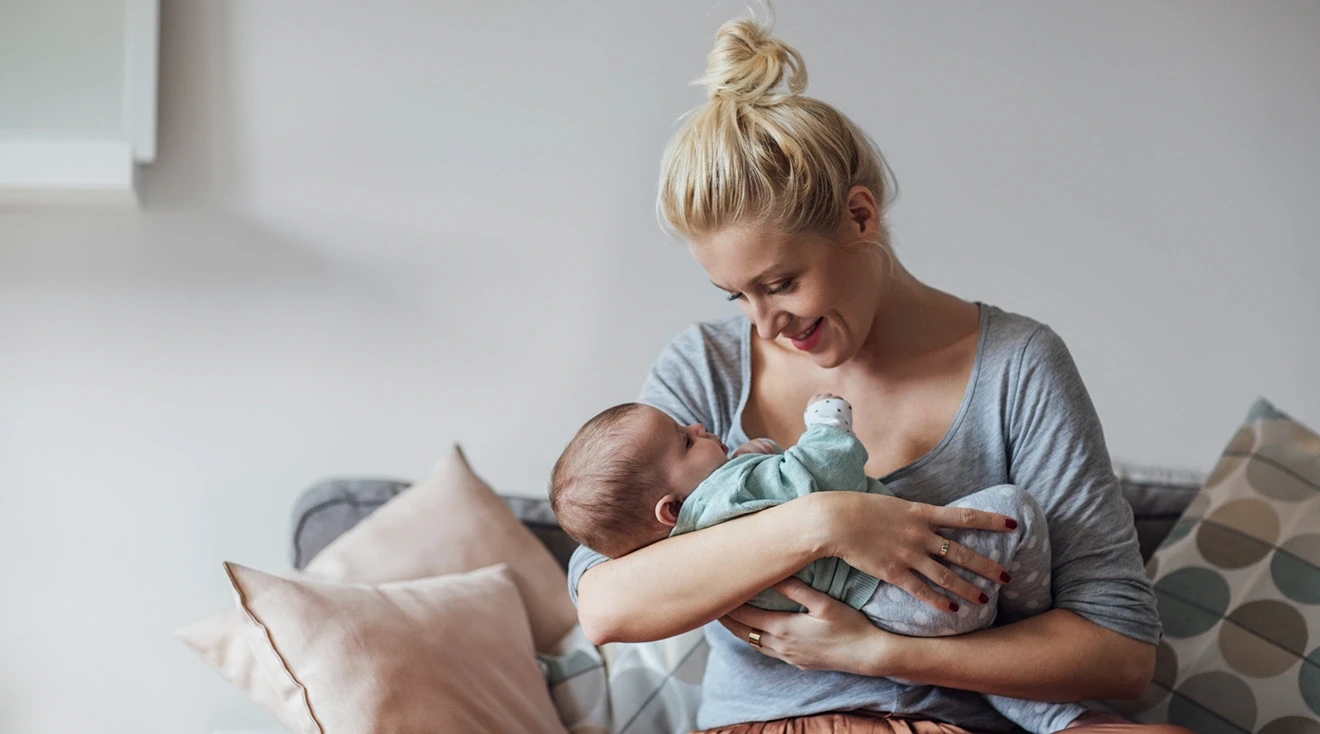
807 340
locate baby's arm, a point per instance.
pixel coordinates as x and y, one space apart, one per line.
827 456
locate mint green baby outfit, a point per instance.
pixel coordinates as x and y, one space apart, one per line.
827 457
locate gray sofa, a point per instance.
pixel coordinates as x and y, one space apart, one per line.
329 508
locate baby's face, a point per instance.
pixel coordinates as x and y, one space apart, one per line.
687 453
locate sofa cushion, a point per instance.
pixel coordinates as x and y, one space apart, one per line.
331 508
1238 586
219 642
450 522
628 686
451 653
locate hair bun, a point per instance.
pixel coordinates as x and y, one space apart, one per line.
747 65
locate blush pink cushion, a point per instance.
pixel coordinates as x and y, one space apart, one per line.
449 522
450 653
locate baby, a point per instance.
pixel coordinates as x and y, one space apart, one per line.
633 476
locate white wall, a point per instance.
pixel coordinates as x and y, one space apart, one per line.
62 66
373 230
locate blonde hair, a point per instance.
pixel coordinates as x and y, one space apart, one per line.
759 150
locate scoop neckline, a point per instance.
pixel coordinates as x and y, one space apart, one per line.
745 368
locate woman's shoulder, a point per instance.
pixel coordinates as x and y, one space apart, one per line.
700 374
718 345
1029 362
1014 339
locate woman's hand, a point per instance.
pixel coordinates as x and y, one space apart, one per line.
896 541
756 446
830 635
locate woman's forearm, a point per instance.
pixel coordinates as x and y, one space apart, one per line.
1055 656
683 582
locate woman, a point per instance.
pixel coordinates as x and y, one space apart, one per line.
783 200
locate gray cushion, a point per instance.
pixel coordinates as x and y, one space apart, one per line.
328 509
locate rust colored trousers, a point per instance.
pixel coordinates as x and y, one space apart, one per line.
861 723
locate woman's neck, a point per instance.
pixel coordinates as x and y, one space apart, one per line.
911 321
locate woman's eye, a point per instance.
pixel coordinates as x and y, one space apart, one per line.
781 288
734 296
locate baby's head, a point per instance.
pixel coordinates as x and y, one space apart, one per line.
619 484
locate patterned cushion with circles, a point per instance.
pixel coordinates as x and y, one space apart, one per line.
1238 585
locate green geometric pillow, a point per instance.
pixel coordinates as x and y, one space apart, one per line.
1238 586
627 687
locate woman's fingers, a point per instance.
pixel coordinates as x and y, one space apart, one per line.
797 591
964 557
907 560
916 585
735 628
744 631
965 518
944 577
757 618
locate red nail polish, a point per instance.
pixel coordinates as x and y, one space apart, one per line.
1011 523
1005 577
985 599
953 607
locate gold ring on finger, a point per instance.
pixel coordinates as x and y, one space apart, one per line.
754 638
944 549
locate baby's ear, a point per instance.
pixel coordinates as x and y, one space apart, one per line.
666 510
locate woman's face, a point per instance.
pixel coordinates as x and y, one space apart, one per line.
809 293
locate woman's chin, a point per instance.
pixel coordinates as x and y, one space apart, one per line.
827 361
827 357
828 351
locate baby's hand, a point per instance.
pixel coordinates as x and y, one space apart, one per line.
837 413
757 446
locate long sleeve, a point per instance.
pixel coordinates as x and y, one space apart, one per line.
1057 452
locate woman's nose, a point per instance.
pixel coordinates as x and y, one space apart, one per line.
767 322
700 429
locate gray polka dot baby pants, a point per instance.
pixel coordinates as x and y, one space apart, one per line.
1025 552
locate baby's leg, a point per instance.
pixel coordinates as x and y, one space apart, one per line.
1028 561
1025 552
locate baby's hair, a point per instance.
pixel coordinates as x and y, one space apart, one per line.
605 485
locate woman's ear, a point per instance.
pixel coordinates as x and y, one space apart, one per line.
863 214
666 510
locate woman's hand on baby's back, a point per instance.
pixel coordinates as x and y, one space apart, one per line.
757 446
895 540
